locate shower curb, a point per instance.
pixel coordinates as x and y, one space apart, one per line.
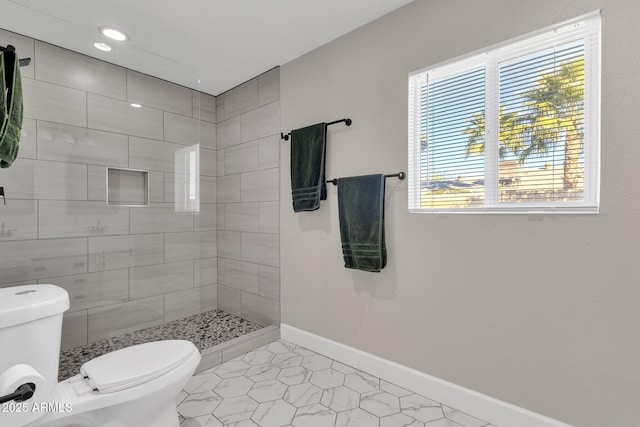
226 351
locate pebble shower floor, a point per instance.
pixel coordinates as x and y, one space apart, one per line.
204 330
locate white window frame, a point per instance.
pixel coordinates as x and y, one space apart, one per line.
585 27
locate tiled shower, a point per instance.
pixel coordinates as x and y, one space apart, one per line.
248 199
125 267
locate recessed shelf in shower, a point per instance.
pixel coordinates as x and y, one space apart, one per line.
127 187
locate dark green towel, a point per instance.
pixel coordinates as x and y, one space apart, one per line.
11 108
4 114
361 214
308 152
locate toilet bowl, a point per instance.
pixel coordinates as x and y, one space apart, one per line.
132 387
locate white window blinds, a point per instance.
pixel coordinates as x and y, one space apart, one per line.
512 129
187 179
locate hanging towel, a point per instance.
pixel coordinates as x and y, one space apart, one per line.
308 153
4 113
10 107
361 214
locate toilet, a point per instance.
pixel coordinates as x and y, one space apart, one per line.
132 387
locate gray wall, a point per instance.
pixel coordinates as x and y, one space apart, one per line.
540 311
126 268
248 199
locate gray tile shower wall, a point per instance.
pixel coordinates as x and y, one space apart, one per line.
248 199
125 268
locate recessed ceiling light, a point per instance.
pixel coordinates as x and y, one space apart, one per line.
114 34
102 46
134 105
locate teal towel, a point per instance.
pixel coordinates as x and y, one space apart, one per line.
10 107
308 153
361 214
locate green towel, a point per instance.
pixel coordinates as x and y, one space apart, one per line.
308 153
4 114
10 107
361 214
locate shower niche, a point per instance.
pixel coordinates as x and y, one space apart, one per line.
127 187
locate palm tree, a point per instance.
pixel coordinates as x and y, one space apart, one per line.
509 139
552 113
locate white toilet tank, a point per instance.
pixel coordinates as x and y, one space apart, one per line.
30 330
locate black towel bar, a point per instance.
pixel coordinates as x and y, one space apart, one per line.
23 62
400 175
346 122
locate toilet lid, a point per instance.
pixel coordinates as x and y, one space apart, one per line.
135 365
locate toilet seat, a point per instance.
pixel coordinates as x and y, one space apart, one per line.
135 365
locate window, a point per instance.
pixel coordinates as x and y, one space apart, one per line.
514 128
187 179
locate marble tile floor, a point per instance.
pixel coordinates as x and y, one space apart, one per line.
204 330
282 384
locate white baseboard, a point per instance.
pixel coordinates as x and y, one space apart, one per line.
487 408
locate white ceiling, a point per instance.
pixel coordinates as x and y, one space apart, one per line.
208 45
